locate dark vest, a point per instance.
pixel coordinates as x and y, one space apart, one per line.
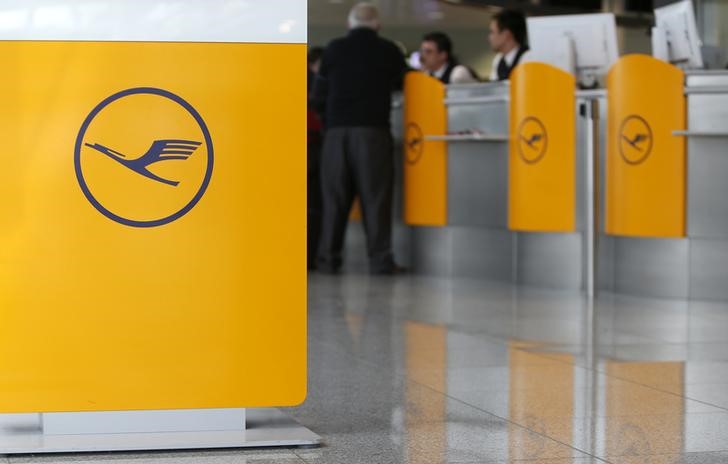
504 71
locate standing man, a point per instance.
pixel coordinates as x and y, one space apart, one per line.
357 76
508 39
437 60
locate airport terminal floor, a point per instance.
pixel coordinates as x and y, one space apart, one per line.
439 370
428 370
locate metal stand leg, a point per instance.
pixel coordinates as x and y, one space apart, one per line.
592 203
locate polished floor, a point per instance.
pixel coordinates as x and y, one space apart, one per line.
428 370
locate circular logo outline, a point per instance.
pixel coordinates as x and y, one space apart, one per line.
520 142
648 152
149 91
418 151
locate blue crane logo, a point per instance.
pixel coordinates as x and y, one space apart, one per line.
635 139
158 186
161 150
532 140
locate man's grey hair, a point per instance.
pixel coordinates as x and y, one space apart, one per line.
364 14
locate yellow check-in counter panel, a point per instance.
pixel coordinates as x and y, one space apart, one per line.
659 180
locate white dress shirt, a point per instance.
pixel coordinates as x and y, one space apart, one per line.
459 75
510 57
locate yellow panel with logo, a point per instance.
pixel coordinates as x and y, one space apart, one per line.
425 167
646 164
542 174
152 228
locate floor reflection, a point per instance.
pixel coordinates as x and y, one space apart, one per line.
427 370
639 423
426 358
541 390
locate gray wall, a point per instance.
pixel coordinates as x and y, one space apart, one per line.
713 22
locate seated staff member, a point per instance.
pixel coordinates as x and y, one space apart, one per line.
438 61
508 39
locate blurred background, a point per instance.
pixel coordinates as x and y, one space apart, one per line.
466 21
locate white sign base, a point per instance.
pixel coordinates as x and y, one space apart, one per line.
150 430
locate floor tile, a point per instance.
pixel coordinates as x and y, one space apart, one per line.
690 458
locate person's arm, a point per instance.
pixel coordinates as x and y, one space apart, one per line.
320 93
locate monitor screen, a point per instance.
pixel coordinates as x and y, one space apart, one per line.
677 23
589 41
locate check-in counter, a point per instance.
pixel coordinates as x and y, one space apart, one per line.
692 266
474 239
707 98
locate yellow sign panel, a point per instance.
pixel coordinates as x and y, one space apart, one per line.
152 227
646 164
542 174
425 168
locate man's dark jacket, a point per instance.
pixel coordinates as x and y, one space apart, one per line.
357 76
